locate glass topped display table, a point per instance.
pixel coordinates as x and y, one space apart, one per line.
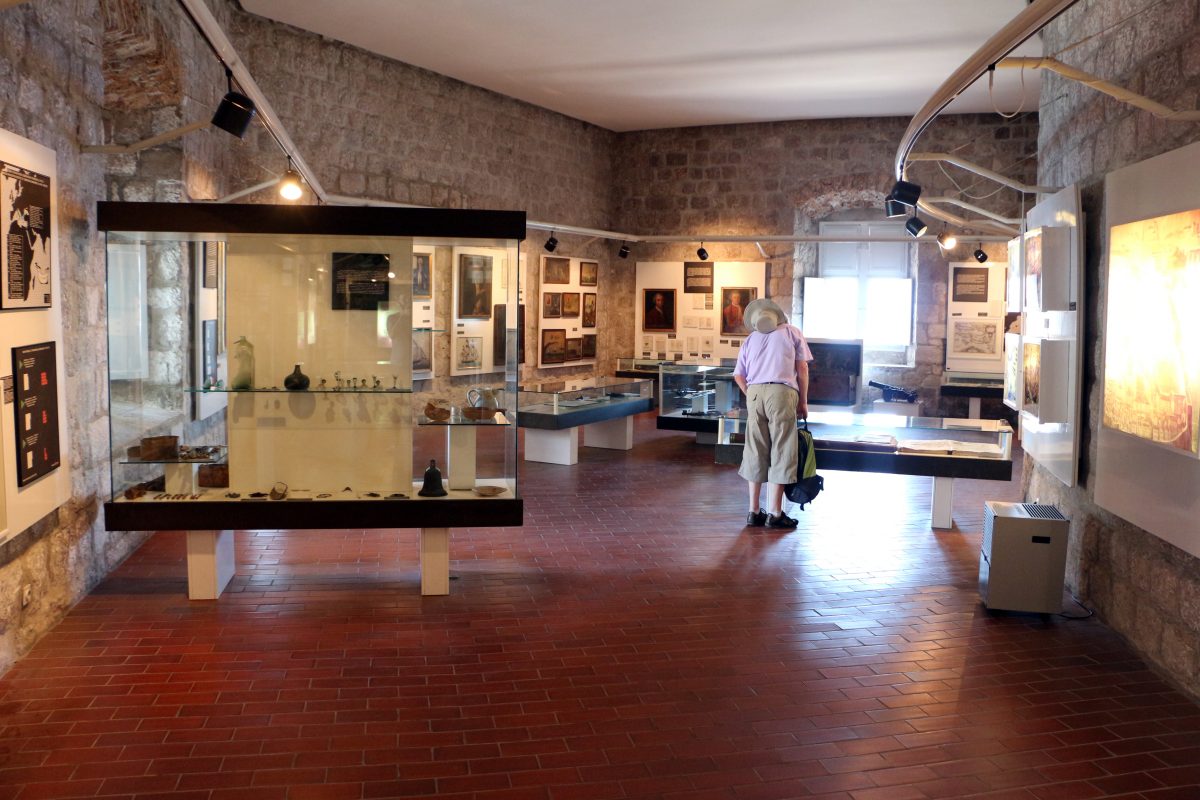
693 396
975 389
943 449
552 412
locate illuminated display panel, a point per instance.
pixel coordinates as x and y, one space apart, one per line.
1152 340
1031 362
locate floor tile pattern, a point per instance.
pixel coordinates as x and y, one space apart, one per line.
632 640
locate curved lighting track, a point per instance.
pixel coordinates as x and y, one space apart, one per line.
982 171
1100 85
1025 24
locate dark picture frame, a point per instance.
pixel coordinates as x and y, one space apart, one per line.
589 272
35 405
574 349
474 299
570 304
656 317
360 281
422 276
27 206
556 269
588 316
589 345
734 323
551 305
554 346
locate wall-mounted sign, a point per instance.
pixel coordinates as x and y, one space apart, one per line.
360 281
36 407
25 213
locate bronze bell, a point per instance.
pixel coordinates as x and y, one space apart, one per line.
433 482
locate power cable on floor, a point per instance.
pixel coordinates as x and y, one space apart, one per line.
1090 612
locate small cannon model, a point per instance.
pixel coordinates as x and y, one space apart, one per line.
894 393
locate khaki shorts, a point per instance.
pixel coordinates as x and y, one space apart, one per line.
771 451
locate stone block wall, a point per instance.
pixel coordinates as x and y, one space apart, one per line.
1140 585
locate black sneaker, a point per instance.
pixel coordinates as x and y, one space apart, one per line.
756 519
781 521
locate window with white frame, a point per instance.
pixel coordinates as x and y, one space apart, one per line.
863 289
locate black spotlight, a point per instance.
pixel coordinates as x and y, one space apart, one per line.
905 192
894 208
550 244
980 256
624 251
235 112
702 254
916 226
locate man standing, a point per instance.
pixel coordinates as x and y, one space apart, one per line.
772 370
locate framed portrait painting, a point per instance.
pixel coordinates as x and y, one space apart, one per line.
474 287
422 276
554 346
734 300
658 310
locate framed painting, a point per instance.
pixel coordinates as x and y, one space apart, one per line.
554 346
588 272
589 345
422 276
570 304
589 310
658 310
468 354
474 287
551 305
734 300
556 270
574 350
422 350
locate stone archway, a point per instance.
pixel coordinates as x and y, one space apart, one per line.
814 202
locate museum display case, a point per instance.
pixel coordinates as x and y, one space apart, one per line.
570 401
262 365
696 390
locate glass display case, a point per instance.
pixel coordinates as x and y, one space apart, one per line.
696 390
262 363
553 412
944 449
639 367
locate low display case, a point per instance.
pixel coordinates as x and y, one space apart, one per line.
262 360
944 449
552 412
696 389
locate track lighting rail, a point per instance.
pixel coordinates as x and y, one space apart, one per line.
1101 85
970 166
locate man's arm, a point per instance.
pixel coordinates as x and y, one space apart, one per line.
740 380
802 383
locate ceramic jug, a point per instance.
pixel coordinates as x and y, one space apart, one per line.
483 397
243 358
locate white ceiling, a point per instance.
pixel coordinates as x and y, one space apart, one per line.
639 64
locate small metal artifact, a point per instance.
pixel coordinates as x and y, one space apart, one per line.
278 493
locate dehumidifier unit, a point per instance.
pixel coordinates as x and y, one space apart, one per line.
1023 561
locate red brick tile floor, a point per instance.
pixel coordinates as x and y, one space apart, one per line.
632 640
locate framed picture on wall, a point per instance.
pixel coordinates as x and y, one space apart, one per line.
734 300
589 310
589 345
976 338
422 350
551 305
468 352
556 270
658 310
422 276
474 287
574 349
25 259
588 271
360 281
554 346
570 304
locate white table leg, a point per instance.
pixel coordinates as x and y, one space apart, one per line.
435 561
613 434
973 407
943 501
210 563
460 445
552 447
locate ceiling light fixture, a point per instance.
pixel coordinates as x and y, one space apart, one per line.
906 193
702 254
946 240
915 226
291 185
236 111
893 208
551 243
980 256
624 251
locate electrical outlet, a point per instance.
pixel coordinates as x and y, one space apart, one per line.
26 594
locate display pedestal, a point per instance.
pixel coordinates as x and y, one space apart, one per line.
552 447
706 437
435 561
460 447
210 563
613 434
974 406
899 409
180 478
943 501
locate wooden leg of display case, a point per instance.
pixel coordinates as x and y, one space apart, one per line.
460 445
943 500
210 563
613 434
973 407
552 447
435 561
